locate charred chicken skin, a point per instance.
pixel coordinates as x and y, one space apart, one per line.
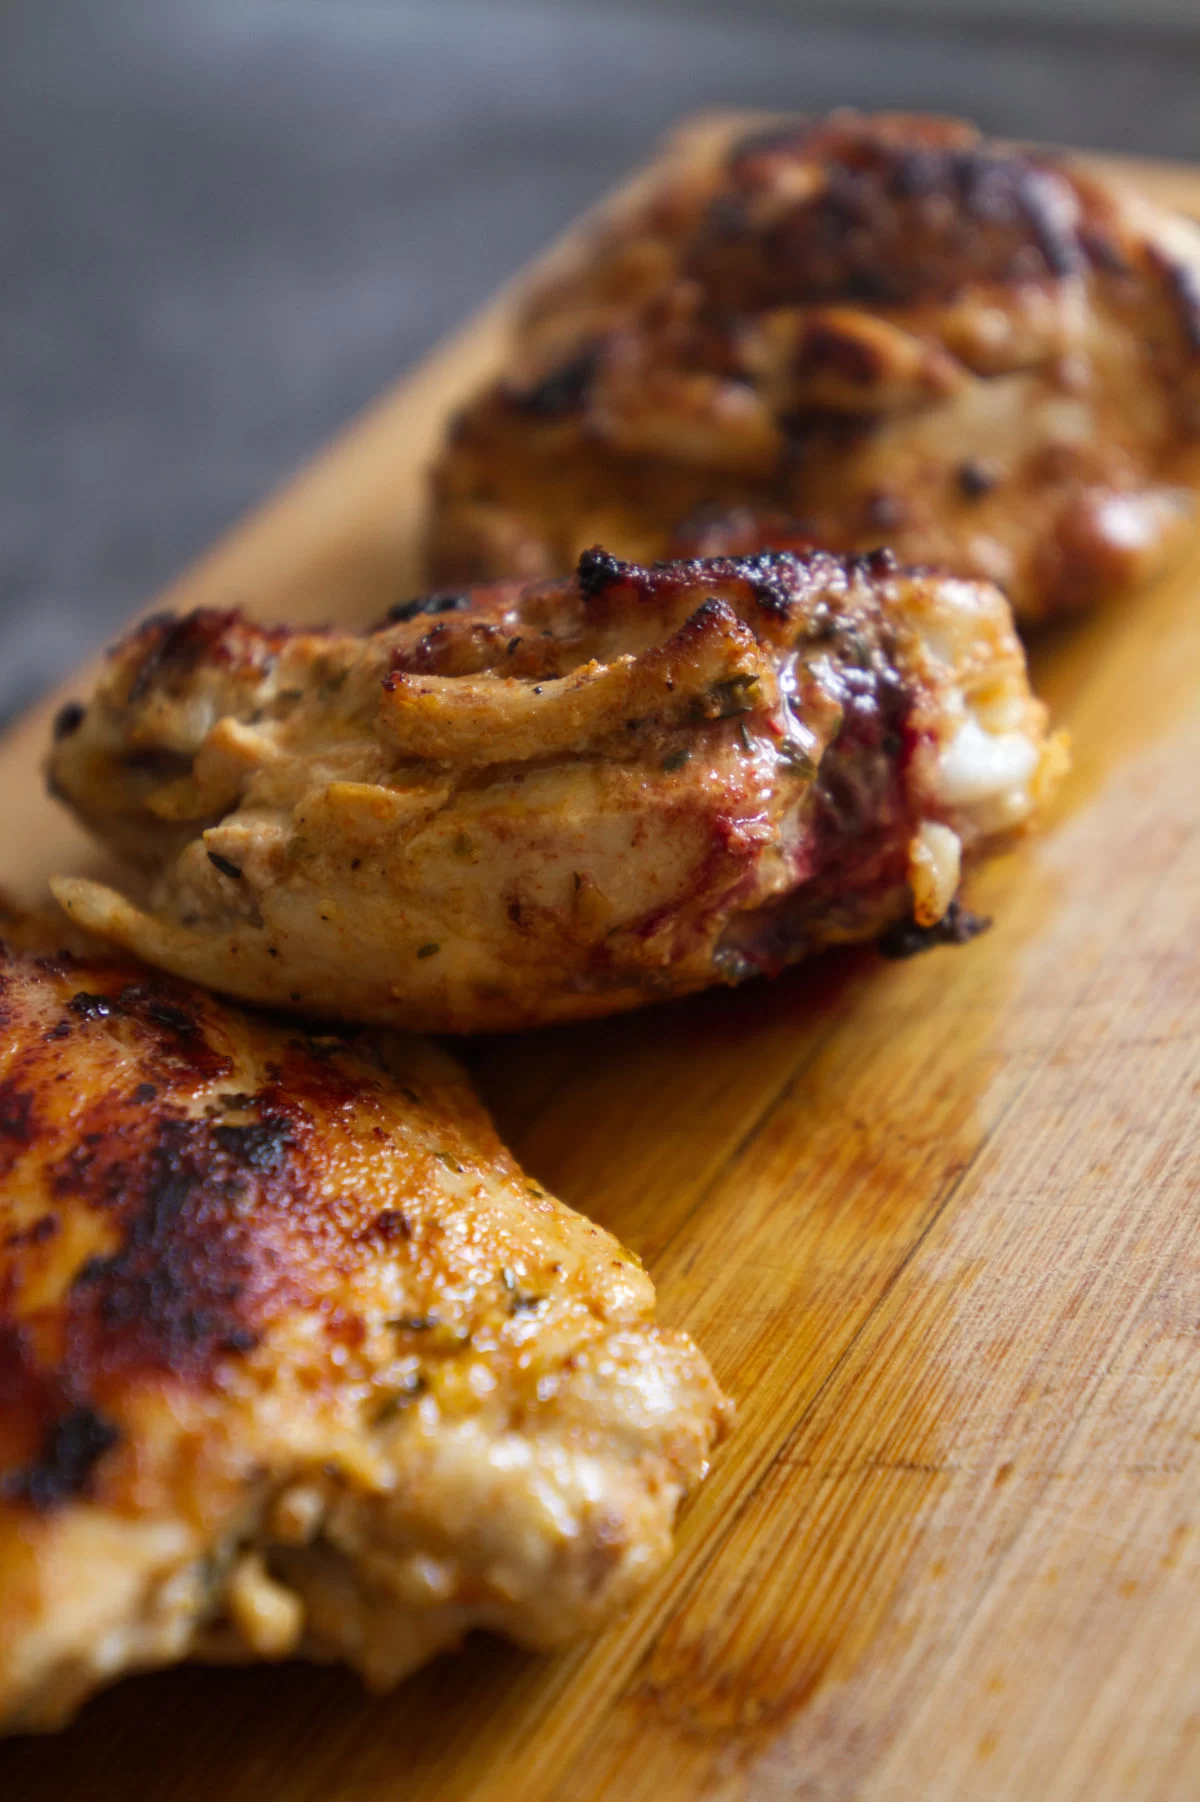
294 1360
855 331
549 802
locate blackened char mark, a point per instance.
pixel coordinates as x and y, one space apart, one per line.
171 643
73 1445
172 648
219 1226
263 1144
563 390
145 999
599 570
192 1259
900 212
957 926
782 580
775 579
18 1120
772 578
92 1007
16 1113
169 1017
211 1230
68 720
975 479
403 611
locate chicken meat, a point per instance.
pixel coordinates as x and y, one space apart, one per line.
555 801
859 330
294 1360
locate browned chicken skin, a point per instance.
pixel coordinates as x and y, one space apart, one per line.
552 802
293 1358
855 331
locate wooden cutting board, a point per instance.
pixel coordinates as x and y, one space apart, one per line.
937 1225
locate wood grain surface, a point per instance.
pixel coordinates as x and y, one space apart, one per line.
936 1224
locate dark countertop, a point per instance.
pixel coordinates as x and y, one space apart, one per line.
228 223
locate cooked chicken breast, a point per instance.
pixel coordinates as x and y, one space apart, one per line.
293 1358
869 330
556 801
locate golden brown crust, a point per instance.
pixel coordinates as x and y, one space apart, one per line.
558 801
212 1224
863 330
280 1320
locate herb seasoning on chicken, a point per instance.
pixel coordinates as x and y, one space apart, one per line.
293 1358
551 802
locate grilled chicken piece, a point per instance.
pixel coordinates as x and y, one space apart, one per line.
879 330
556 801
293 1358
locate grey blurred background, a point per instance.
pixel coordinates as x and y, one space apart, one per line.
228 223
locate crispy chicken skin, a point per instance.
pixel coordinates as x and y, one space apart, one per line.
294 1360
858 330
557 801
